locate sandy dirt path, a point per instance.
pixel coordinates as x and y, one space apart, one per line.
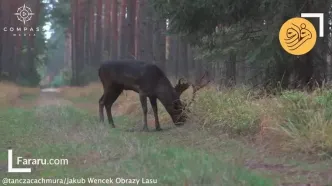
51 96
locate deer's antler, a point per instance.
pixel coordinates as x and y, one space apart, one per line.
200 83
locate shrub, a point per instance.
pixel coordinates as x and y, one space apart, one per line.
228 110
62 79
307 123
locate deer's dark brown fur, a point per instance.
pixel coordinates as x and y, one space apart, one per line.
148 81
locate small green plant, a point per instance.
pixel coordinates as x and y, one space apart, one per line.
62 79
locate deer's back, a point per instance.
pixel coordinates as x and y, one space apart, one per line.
133 75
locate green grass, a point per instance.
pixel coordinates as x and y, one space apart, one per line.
28 97
95 150
307 119
84 99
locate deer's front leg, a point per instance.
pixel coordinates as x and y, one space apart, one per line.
145 111
109 115
153 101
109 99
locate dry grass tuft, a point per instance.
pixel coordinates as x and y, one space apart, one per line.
231 111
301 121
10 93
93 89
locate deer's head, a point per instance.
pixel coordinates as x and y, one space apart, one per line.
179 108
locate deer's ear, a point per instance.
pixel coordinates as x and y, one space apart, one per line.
181 86
182 81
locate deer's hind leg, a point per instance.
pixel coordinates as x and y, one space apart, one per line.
144 105
101 108
111 96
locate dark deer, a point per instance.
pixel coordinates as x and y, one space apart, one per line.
148 80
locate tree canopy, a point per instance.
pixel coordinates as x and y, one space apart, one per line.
249 28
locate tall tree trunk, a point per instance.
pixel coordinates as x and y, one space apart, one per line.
87 33
137 29
74 38
141 24
31 47
231 69
7 41
99 42
329 44
329 58
131 13
114 53
67 55
159 43
199 68
123 30
241 72
145 32
148 32
80 41
320 73
173 55
168 66
191 63
107 28
1 34
183 57
92 31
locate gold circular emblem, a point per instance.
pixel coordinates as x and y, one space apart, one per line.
297 36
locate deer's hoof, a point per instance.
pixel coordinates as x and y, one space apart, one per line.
179 124
159 129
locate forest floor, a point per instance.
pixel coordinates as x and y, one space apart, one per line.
51 125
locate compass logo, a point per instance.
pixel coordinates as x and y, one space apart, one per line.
24 14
